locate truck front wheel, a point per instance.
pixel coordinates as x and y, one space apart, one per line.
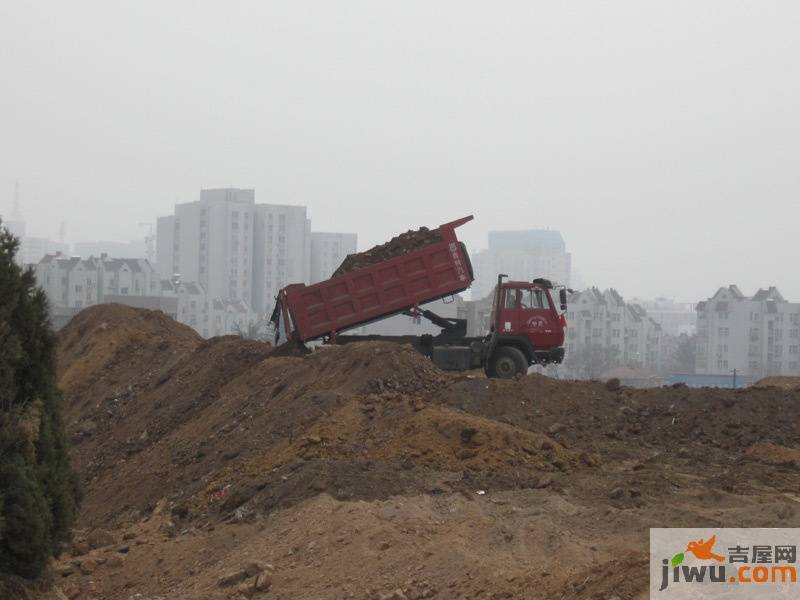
506 362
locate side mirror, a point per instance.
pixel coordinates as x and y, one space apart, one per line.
562 296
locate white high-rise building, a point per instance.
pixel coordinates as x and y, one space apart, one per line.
281 251
522 255
212 242
165 247
236 249
328 250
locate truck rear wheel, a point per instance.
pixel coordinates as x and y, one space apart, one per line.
506 362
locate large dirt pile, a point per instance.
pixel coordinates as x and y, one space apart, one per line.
364 472
108 342
402 244
783 382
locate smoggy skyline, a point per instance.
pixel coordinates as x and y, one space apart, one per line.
661 139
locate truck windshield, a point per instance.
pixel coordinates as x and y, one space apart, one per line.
533 298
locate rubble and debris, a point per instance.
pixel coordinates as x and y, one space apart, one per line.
355 471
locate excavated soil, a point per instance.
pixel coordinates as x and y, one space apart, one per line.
402 244
780 381
362 471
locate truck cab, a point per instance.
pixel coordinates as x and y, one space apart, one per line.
527 327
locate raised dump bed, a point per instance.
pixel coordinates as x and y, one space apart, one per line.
436 267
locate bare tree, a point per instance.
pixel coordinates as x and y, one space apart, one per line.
254 331
685 353
590 362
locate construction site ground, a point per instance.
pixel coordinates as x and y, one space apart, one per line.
213 469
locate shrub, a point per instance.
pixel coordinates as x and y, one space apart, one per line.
39 491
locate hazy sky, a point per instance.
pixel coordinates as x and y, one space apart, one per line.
662 138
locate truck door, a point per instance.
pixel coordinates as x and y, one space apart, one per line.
538 319
509 311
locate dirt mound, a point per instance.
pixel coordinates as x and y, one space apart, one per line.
774 454
363 470
670 418
404 243
106 338
782 382
227 415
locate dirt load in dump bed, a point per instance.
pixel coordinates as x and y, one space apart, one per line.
397 246
215 469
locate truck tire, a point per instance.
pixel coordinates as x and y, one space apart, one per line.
506 362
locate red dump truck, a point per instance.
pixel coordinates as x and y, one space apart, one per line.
527 327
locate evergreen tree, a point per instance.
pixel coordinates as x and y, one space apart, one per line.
38 489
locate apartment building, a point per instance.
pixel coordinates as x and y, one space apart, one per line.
75 283
757 335
125 277
239 250
213 242
522 255
68 282
675 318
230 317
166 266
281 251
72 284
605 332
328 250
206 315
